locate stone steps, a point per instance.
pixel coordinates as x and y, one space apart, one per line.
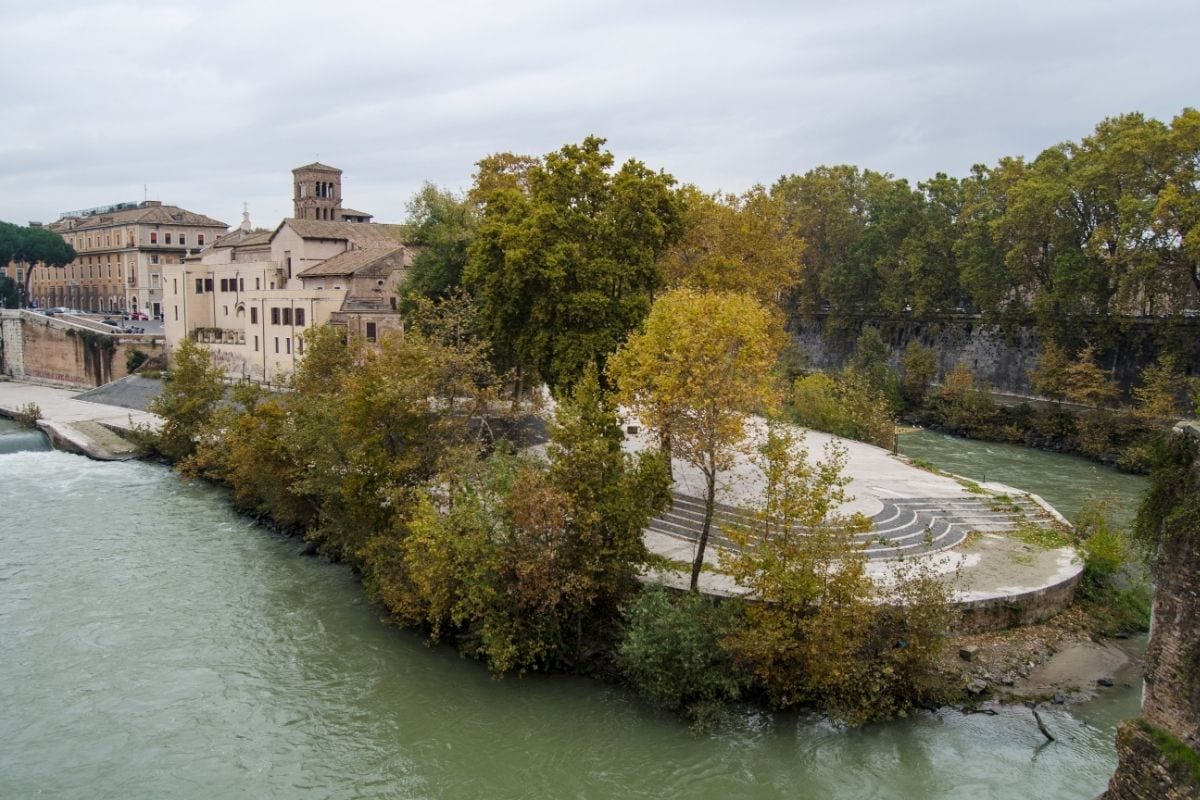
903 527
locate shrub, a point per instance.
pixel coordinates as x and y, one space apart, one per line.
670 651
134 359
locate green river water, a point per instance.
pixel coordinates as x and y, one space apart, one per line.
154 644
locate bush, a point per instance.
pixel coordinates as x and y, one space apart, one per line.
134 359
670 651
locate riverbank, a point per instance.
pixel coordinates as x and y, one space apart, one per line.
98 430
1064 660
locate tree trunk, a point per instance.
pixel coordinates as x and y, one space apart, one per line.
710 480
664 446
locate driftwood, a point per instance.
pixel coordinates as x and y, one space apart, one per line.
1041 725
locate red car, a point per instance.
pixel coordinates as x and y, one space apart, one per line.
138 315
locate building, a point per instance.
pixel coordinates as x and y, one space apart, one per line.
251 294
121 251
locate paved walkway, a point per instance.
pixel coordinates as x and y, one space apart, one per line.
75 424
918 517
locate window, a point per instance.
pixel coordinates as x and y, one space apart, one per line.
370 331
257 285
225 310
276 344
299 317
182 238
199 286
274 316
224 285
241 284
287 316
288 344
154 258
167 237
153 237
253 315
174 285
208 284
177 313
200 238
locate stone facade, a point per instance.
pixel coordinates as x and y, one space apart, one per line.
121 251
250 295
1002 359
1159 753
64 353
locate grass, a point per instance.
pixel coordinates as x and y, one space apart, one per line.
1041 537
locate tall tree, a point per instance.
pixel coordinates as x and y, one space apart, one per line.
32 247
702 363
737 243
564 265
443 224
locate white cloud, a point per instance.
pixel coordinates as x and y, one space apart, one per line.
213 103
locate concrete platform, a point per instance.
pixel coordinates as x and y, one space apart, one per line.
953 527
92 429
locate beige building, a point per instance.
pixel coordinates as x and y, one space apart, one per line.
121 251
251 294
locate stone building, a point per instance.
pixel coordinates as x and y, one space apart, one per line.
251 294
121 251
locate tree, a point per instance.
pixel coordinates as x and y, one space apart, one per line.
823 633
529 560
1085 382
702 363
32 247
735 243
10 293
564 263
919 367
443 225
192 391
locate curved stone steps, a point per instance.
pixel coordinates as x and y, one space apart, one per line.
903 527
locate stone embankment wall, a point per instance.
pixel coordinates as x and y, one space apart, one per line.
1159 753
1001 358
61 352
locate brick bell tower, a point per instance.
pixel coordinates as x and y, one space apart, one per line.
317 192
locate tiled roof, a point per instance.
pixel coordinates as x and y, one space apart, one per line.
372 261
317 165
145 215
363 234
351 212
241 238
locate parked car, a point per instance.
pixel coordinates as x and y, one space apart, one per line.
138 315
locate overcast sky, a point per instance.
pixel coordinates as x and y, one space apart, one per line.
209 104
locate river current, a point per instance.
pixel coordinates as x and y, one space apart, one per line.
155 644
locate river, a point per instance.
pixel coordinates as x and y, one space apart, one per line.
155 644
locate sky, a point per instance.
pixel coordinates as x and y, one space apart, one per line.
209 105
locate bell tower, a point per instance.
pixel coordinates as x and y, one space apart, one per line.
317 192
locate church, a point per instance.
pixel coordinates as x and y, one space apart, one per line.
250 294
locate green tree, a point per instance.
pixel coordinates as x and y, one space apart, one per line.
671 651
32 247
919 366
193 389
735 243
10 293
823 633
564 263
1177 210
700 366
443 224
530 561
